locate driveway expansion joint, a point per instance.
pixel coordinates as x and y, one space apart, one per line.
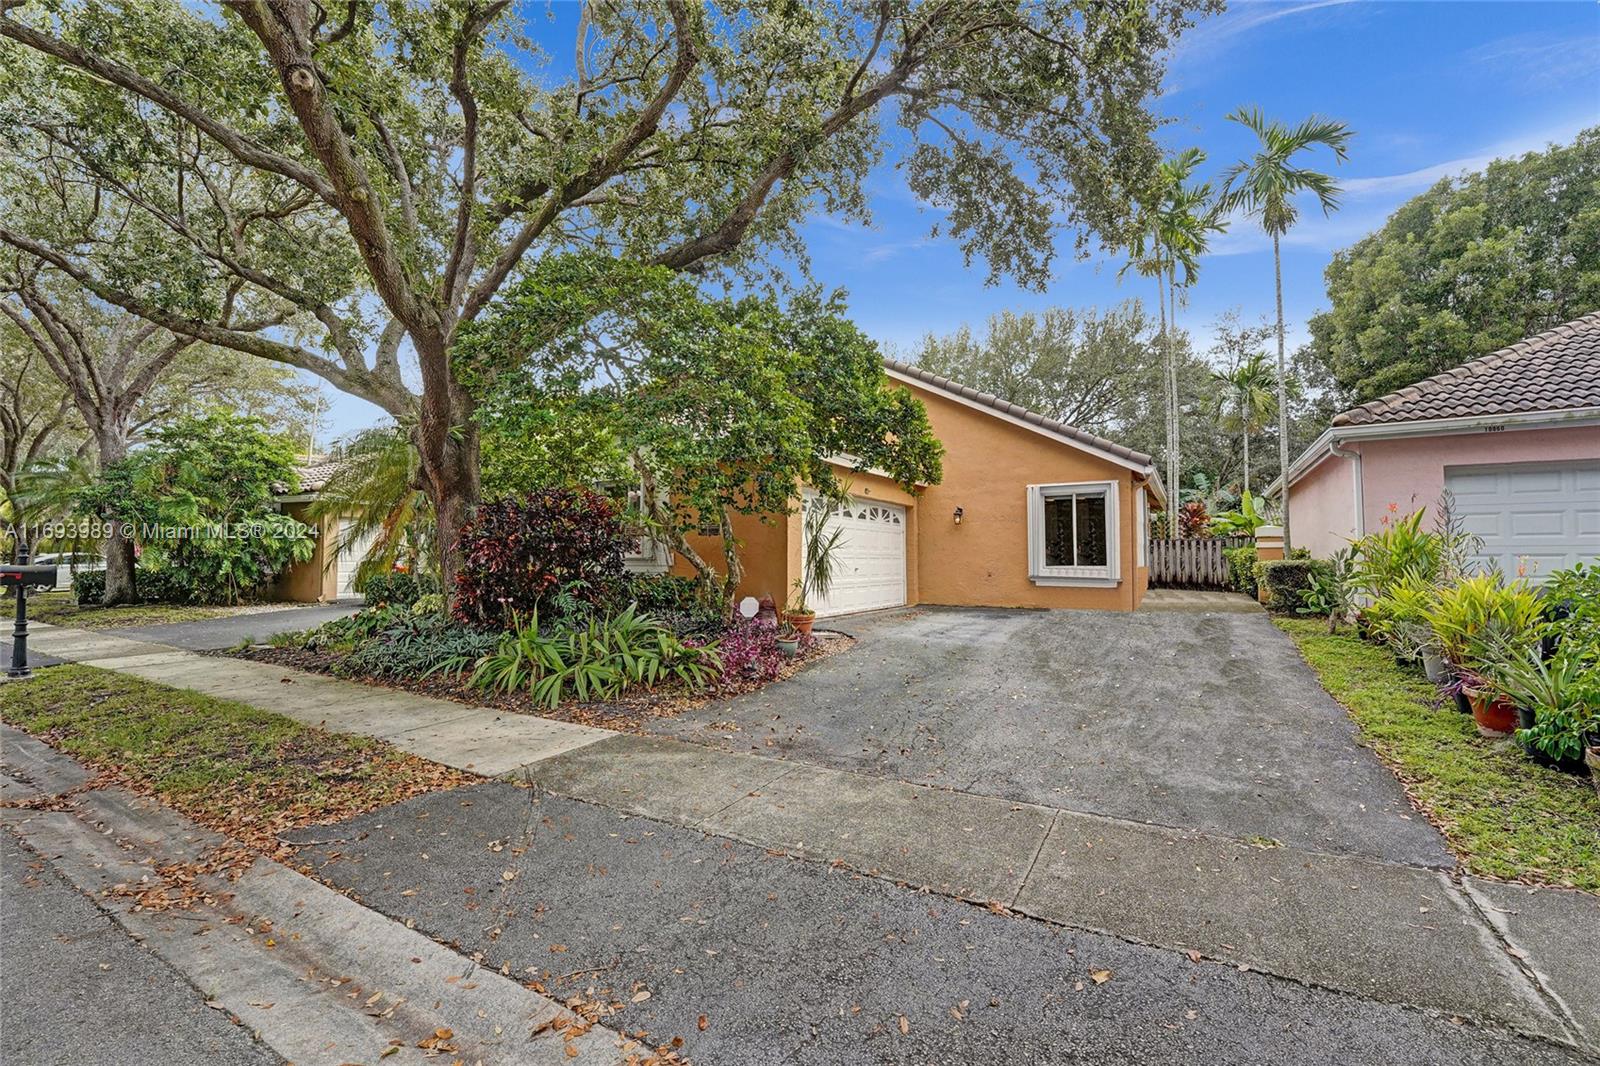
1548 997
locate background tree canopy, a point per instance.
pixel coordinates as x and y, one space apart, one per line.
1088 369
719 407
255 179
200 499
1472 265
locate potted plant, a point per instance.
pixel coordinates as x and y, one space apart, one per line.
819 558
1479 621
788 638
1557 701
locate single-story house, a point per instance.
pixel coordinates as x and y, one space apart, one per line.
1513 436
1031 512
330 573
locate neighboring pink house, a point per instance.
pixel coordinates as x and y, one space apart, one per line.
1514 436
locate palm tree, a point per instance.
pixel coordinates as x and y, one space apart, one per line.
1173 230
1248 400
378 487
1189 216
1264 187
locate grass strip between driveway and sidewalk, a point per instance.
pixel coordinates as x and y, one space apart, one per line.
57 608
240 770
1504 815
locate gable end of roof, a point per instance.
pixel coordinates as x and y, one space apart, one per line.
1005 409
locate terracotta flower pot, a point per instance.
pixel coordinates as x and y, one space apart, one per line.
1496 716
803 621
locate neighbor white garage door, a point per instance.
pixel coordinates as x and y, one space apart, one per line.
350 558
1533 517
871 569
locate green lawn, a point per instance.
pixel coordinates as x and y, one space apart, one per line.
245 771
58 609
1504 815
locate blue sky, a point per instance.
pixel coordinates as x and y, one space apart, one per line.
1430 89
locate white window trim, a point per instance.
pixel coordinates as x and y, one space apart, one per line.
1038 572
1141 535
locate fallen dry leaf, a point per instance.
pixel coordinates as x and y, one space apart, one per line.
1099 977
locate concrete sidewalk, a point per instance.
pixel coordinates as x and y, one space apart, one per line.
468 738
1386 931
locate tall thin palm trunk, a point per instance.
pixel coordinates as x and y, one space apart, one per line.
1166 374
1246 435
1172 373
1283 396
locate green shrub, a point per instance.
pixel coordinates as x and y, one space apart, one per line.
399 589
150 586
597 661
1288 581
1242 568
1563 693
414 646
1572 599
678 602
1401 548
346 634
89 586
202 489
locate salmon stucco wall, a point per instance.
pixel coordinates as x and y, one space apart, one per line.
764 549
1322 507
1401 474
1409 472
314 580
988 465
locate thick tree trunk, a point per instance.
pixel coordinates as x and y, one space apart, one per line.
447 446
1283 398
450 477
111 444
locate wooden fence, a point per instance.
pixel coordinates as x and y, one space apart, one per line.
1191 562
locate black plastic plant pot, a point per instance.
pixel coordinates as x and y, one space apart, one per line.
1567 766
1461 702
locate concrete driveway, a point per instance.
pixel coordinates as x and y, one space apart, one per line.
1207 721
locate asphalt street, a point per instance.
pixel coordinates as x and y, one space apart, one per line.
753 957
75 990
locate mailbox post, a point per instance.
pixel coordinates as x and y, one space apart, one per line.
23 577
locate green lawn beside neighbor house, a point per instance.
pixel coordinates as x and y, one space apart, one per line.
1503 814
241 770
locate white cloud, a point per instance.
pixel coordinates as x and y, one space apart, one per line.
1538 60
1201 46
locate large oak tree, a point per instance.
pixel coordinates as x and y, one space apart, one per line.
380 172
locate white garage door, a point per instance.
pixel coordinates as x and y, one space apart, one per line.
350 558
1533 517
871 569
